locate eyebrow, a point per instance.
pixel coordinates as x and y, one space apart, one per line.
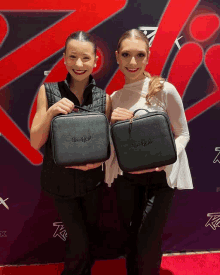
127 51
84 54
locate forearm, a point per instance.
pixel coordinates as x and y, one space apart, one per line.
40 132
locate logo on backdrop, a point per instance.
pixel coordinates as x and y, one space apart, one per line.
3 202
214 220
152 34
217 158
190 54
60 231
3 234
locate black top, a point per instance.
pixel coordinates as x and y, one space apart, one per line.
67 182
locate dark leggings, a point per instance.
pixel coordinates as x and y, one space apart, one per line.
144 202
80 218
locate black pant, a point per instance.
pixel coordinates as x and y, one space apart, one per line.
144 202
80 218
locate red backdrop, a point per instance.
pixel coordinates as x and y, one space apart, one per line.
185 50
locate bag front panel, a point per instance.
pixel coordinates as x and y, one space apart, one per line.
80 138
145 143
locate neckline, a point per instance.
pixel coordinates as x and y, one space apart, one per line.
137 84
87 91
91 81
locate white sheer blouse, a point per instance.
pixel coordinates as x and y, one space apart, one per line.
133 96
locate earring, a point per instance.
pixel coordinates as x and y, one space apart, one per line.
64 62
95 65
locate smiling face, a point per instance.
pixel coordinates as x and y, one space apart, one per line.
132 57
80 59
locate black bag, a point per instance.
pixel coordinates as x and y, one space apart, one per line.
144 142
80 137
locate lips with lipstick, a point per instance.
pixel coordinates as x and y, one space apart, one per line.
79 72
132 70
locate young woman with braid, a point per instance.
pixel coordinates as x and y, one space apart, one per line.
144 197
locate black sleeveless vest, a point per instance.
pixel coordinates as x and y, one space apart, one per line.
68 182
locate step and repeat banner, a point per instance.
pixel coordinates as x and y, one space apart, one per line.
185 49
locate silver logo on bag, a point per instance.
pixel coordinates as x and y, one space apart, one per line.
141 143
81 139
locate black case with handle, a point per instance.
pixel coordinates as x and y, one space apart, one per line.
80 137
144 142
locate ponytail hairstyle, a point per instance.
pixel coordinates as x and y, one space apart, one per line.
81 36
156 83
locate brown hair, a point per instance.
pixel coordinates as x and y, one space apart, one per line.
81 36
156 83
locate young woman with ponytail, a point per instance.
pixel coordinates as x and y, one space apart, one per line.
144 197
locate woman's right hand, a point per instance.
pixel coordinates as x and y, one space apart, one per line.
121 114
41 123
63 106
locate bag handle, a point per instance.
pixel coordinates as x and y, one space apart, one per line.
140 110
131 120
81 108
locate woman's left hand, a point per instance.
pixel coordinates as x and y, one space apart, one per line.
157 169
87 166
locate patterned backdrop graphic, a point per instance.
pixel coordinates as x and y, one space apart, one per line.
185 50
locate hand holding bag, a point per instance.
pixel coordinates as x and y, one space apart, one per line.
144 142
80 137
